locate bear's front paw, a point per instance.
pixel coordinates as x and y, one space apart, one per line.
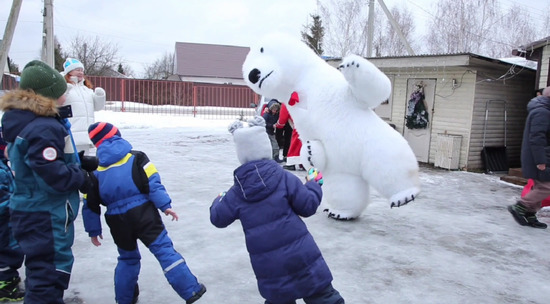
369 85
337 216
350 66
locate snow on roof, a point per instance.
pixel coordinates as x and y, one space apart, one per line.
520 61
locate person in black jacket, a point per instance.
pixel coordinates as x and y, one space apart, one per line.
271 115
535 161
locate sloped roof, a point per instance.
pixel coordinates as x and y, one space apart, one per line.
209 60
535 45
435 60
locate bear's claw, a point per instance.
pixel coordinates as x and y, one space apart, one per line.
399 204
337 216
310 154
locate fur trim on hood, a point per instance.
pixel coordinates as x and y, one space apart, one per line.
29 101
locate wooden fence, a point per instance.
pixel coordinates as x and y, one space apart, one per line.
170 97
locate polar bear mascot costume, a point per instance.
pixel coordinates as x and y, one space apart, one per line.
332 112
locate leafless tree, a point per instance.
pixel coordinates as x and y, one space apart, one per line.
346 27
463 26
98 57
477 26
162 68
516 28
481 27
345 24
387 42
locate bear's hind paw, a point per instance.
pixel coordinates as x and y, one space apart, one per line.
337 216
404 197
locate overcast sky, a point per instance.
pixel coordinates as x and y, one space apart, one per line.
145 30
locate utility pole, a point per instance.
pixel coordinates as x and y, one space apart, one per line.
8 35
47 34
370 28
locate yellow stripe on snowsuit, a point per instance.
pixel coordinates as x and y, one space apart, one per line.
117 164
149 169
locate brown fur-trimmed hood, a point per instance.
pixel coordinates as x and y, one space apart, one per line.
28 101
21 108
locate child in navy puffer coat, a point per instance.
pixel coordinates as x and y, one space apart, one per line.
269 202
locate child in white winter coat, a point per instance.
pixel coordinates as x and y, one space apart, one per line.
84 101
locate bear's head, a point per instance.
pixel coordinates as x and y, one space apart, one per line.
277 63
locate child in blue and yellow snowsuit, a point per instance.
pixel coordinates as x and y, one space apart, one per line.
128 184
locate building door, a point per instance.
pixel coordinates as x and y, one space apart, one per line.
419 138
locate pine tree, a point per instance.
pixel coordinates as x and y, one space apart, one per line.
120 69
59 57
313 35
12 67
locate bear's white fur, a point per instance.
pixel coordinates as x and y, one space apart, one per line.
341 135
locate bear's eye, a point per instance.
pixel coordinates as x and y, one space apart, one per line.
261 50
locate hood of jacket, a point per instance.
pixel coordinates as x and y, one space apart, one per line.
112 150
21 107
256 180
538 102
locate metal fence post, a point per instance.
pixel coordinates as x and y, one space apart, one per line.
123 94
194 101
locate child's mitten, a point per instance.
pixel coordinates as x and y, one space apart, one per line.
315 175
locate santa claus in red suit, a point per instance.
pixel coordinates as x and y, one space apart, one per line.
293 156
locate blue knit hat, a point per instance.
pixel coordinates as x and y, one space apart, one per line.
101 131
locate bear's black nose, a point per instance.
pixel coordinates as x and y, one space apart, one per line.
254 75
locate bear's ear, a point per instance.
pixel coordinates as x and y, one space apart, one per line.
237 124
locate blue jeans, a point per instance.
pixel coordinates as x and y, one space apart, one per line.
329 295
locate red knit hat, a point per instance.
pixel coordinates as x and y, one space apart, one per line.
101 131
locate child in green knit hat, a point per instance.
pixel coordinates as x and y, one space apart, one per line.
45 200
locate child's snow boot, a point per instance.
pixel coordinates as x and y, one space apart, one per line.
289 167
9 290
136 294
197 295
533 221
518 212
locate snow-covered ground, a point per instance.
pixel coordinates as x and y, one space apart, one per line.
456 243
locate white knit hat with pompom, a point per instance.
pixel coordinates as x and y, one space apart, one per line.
252 142
71 64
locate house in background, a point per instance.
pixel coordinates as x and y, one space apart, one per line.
8 81
209 63
472 102
538 51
